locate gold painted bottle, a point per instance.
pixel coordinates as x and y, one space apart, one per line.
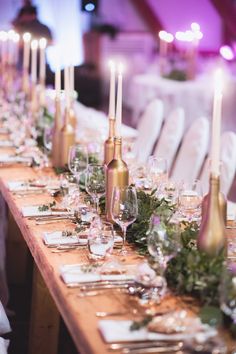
117 175
66 139
211 238
73 120
56 134
109 143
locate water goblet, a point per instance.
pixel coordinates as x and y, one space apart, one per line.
100 239
95 183
77 160
158 170
124 209
190 198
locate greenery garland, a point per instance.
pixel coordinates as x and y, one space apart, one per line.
190 272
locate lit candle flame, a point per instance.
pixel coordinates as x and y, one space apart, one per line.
42 43
26 37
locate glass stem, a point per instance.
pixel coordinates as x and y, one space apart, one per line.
96 201
124 228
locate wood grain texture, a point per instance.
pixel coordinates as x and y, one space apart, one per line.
78 313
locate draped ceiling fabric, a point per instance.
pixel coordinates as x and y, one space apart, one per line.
66 21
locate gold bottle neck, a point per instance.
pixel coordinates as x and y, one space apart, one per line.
111 128
117 148
214 185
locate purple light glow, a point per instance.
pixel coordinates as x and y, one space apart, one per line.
226 52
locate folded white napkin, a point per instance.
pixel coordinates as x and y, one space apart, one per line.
74 273
119 331
33 210
15 159
6 143
55 238
24 185
231 211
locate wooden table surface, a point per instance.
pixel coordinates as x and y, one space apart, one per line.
78 313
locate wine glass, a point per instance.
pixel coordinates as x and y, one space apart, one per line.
124 209
77 160
163 243
158 170
95 182
228 292
190 199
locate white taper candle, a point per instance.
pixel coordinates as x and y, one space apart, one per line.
119 103
216 124
26 50
112 94
34 47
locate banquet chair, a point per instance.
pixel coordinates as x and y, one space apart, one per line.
192 152
228 164
148 130
4 328
171 136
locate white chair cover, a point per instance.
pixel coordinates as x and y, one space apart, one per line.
149 128
171 136
4 343
192 152
4 323
228 164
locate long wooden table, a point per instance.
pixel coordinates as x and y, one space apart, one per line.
77 312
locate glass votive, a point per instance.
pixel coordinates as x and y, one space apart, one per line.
66 181
100 239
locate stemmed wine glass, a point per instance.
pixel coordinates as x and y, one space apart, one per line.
77 160
124 209
95 182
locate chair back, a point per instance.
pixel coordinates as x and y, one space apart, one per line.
148 129
171 136
192 151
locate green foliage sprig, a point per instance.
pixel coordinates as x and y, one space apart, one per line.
147 205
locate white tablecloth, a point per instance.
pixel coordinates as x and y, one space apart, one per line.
194 96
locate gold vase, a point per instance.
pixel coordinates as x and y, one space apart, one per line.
66 139
117 175
211 238
56 134
109 143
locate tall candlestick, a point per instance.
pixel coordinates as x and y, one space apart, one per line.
26 50
34 47
67 87
58 82
42 67
119 103
111 113
216 124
